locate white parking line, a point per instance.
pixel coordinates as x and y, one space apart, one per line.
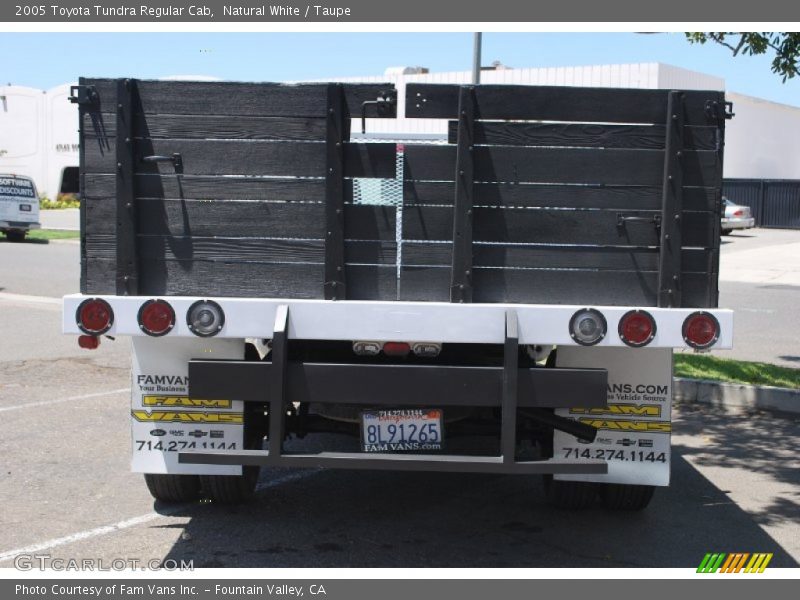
29 299
60 400
133 522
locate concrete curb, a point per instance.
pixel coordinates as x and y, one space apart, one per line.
736 395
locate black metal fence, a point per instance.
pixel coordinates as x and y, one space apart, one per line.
774 202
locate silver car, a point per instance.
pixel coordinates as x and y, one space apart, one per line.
736 217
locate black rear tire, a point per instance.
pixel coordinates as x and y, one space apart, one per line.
16 236
622 496
173 488
230 489
571 495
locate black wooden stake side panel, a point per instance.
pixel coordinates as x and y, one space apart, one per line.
334 282
127 263
461 267
583 135
669 272
558 103
215 157
546 226
244 99
558 196
557 165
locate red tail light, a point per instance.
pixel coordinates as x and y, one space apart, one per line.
700 330
738 213
94 316
396 348
637 328
156 318
88 342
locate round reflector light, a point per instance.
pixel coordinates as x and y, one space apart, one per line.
156 318
94 316
205 318
637 328
700 330
588 326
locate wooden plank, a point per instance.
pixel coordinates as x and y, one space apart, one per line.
207 278
214 157
546 226
189 127
237 249
556 196
417 254
427 162
258 219
557 103
219 188
235 98
583 135
611 288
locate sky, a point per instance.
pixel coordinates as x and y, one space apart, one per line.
43 60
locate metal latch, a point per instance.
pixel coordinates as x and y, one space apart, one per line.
623 219
176 160
386 105
84 95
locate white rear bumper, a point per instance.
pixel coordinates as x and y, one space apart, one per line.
400 321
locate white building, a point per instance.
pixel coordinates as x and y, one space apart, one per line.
39 129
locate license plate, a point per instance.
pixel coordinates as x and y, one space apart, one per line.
407 430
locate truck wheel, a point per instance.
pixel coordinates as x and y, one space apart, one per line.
173 488
16 236
230 489
623 496
572 495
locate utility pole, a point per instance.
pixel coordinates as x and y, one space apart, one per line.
476 59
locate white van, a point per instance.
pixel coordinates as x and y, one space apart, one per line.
19 206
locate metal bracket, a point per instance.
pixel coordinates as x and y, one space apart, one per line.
719 111
277 389
176 160
337 121
461 267
670 242
385 104
127 256
84 95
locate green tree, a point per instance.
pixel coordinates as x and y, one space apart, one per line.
784 47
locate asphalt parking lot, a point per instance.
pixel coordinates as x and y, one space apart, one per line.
67 491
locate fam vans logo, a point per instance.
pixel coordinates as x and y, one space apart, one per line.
641 392
184 401
718 562
162 383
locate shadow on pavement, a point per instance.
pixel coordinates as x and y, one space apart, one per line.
375 519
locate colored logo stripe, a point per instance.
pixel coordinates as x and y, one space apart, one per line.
733 563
